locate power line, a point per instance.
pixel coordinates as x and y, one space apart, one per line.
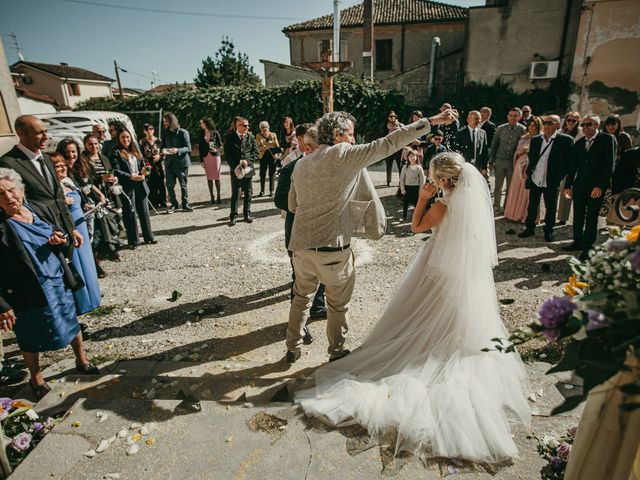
177 12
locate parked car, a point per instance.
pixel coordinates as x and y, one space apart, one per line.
77 124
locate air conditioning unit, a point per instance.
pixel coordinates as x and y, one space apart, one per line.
542 70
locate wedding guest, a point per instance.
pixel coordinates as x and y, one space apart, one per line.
287 136
100 133
34 166
210 148
150 147
471 142
321 249
517 202
549 158
526 115
449 130
588 179
301 147
176 148
108 145
501 153
268 146
613 126
70 150
392 125
106 235
424 140
36 287
411 181
87 298
486 124
625 175
571 127
131 172
433 149
318 307
240 149
415 148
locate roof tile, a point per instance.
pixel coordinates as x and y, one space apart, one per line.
63 71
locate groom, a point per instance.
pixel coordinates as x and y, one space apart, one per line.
321 234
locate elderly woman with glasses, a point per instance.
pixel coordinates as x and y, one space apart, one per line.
36 286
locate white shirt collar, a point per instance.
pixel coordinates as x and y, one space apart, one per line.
30 155
555 134
471 129
594 136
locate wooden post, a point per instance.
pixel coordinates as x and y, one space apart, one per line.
115 65
327 69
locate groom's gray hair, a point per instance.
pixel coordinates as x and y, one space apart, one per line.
331 124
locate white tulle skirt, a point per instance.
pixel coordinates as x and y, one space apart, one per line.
421 373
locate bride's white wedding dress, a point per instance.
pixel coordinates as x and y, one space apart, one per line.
421 371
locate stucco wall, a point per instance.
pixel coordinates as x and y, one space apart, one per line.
276 74
417 44
503 41
29 106
605 67
88 90
7 141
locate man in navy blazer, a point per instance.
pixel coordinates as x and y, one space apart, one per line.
471 142
240 148
176 147
38 175
549 158
588 179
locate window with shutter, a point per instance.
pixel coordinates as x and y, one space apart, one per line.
384 54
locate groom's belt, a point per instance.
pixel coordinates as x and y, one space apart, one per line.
331 249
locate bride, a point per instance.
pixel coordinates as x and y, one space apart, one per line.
421 373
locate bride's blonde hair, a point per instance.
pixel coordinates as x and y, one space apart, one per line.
447 166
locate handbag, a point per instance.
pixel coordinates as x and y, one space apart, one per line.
72 278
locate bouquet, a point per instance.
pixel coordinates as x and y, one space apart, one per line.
598 318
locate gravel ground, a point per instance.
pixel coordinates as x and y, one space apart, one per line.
234 284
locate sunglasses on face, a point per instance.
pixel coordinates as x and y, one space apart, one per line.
572 120
547 122
586 124
245 125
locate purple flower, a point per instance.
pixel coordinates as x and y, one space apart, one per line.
616 245
635 259
556 462
21 442
3 414
6 403
572 431
563 451
553 314
596 320
38 427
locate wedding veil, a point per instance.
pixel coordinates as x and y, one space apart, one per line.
466 240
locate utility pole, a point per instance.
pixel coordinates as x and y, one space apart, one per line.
115 65
367 40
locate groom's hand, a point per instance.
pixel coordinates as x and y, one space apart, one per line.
445 117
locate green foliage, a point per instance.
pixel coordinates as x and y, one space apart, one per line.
227 68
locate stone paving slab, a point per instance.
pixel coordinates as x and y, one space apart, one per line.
217 443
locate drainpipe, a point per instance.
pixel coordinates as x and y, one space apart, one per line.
402 49
336 31
565 28
435 44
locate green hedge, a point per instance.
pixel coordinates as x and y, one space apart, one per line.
368 102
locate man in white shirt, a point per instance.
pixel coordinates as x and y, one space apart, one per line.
549 159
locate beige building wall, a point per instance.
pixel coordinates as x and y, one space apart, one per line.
9 109
416 45
606 68
279 74
503 41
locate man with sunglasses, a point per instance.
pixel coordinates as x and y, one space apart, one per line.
588 179
549 157
240 148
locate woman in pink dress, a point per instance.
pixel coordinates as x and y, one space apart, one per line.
515 207
210 144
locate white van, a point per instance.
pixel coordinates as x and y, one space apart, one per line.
78 124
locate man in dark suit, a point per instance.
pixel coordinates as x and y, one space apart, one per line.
486 124
240 148
471 142
281 200
526 115
38 175
176 147
589 176
549 157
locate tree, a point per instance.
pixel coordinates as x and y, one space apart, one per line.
227 68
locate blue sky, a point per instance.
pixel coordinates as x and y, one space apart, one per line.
88 34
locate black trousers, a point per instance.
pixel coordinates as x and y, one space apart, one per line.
585 217
396 157
410 198
267 164
550 195
238 184
157 190
135 202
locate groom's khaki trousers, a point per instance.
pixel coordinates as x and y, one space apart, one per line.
336 270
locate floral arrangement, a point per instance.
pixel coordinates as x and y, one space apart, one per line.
22 428
555 450
598 317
